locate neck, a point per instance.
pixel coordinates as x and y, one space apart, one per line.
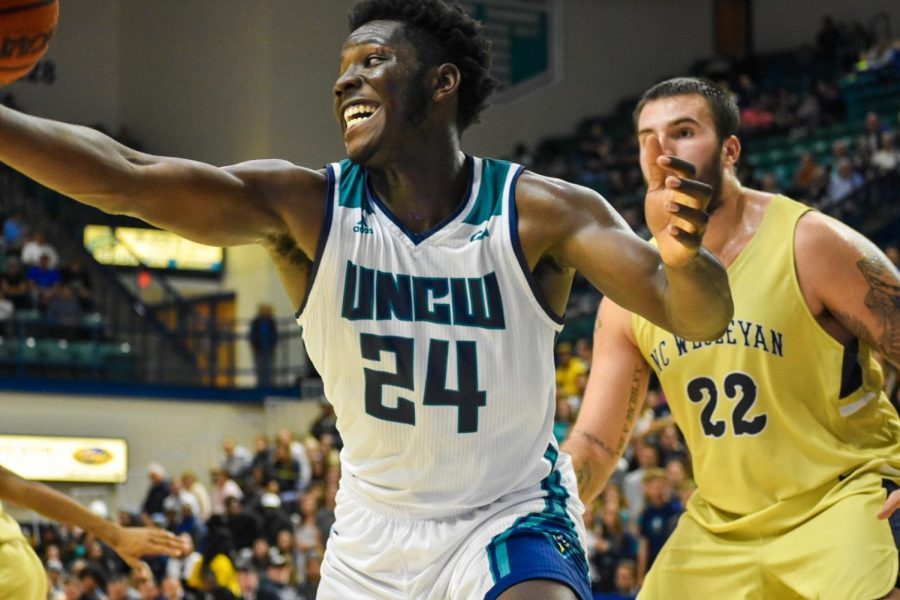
727 218
424 185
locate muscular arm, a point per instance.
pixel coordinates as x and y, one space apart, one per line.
579 229
849 284
225 206
614 394
130 543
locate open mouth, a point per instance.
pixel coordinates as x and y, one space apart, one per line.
359 113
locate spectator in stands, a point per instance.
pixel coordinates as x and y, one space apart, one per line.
43 277
809 178
633 486
326 423
563 418
15 231
64 313
873 131
276 583
92 583
274 518
657 519
7 312
223 487
38 246
74 275
192 485
244 524
626 580
248 579
887 158
72 588
843 182
614 544
568 368
309 535
215 568
286 472
262 453
298 452
312 576
158 490
181 567
16 285
237 459
171 589
264 340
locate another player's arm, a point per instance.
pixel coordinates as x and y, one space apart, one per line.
225 206
845 276
612 401
129 542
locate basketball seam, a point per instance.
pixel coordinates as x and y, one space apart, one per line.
33 5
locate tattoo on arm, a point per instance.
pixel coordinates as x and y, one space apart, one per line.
883 301
633 400
597 442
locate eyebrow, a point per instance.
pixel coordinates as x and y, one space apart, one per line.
369 41
674 123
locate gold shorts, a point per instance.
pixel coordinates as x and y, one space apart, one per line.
842 553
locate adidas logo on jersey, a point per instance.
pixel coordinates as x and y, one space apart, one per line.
362 227
480 235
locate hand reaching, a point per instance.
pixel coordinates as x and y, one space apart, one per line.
131 543
675 205
890 505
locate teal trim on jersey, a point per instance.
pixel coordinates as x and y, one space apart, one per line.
353 187
553 521
489 202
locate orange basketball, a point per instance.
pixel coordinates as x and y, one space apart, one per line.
25 30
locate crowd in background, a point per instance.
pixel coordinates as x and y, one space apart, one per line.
36 281
258 524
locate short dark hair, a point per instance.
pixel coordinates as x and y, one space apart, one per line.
440 32
721 104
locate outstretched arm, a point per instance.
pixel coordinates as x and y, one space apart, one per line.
225 206
681 287
612 401
129 542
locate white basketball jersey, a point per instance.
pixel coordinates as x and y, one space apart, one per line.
436 349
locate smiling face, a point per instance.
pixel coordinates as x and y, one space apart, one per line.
380 97
685 127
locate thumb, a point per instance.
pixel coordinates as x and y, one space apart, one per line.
656 175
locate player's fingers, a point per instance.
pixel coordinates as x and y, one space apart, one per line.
685 238
701 192
681 167
692 220
890 505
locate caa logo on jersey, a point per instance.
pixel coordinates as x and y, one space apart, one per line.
92 456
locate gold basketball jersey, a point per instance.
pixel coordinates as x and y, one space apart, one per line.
9 529
781 419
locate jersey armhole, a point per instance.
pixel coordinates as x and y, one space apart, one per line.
333 173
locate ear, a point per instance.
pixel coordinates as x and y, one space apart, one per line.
731 151
446 81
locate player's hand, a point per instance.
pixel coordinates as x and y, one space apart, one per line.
890 505
131 543
675 205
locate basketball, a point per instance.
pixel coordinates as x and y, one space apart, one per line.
25 30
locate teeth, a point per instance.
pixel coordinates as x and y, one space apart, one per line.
356 114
